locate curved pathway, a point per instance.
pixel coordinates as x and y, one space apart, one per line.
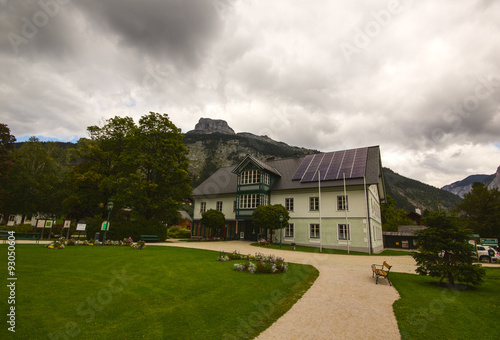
343 303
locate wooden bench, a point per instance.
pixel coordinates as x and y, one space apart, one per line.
383 271
4 234
150 238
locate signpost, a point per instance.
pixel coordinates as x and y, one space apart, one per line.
66 225
492 242
80 226
40 224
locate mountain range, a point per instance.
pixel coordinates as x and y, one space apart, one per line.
213 144
464 186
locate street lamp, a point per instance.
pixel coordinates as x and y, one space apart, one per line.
110 207
281 228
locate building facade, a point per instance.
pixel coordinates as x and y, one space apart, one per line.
333 199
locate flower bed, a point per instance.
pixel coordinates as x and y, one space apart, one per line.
258 263
62 242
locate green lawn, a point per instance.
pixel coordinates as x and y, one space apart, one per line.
155 293
387 252
429 312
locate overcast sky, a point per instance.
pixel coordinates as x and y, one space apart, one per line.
419 78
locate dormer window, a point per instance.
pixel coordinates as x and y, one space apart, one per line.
250 177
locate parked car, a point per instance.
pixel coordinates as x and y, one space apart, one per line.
487 254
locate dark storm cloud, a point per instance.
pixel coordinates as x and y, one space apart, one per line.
178 29
419 78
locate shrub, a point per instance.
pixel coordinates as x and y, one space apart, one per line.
177 232
120 229
22 228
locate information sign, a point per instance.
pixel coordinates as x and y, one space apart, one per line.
492 242
81 226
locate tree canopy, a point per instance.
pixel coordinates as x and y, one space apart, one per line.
480 210
268 216
393 217
143 168
444 251
213 219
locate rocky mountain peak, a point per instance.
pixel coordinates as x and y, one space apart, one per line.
495 183
208 125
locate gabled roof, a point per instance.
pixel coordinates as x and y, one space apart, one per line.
224 180
261 165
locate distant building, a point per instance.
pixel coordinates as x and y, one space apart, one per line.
333 199
404 238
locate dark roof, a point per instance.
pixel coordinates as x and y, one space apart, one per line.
405 230
224 180
260 164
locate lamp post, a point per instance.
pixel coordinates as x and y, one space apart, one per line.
110 207
281 228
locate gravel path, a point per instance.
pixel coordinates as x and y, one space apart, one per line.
343 303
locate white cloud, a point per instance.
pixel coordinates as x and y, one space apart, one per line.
423 79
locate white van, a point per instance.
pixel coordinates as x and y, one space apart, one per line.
487 254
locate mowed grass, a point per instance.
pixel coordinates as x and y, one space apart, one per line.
155 293
386 252
425 311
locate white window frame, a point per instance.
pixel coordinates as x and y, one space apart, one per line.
289 231
203 207
250 177
314 203
218 206
342 228
289 203
249 201
342 202
314 231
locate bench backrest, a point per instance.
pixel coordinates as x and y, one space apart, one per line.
387 266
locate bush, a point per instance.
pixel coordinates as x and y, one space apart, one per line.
120 229
177 232
22 228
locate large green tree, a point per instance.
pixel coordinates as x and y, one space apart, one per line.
36 182
444 251
480 210
6 162
142 168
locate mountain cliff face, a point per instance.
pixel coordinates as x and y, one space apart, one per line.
495 183
207 125
464 186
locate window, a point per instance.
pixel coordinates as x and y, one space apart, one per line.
289 204
218 205
266 179
314 230
203 207
250 201
289 230
313 203
344 233
342 203
265 200
250 177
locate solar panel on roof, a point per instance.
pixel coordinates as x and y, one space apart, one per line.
332 166
323 167
313 168
335 166
359 166
302 168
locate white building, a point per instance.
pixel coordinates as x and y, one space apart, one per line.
333 198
